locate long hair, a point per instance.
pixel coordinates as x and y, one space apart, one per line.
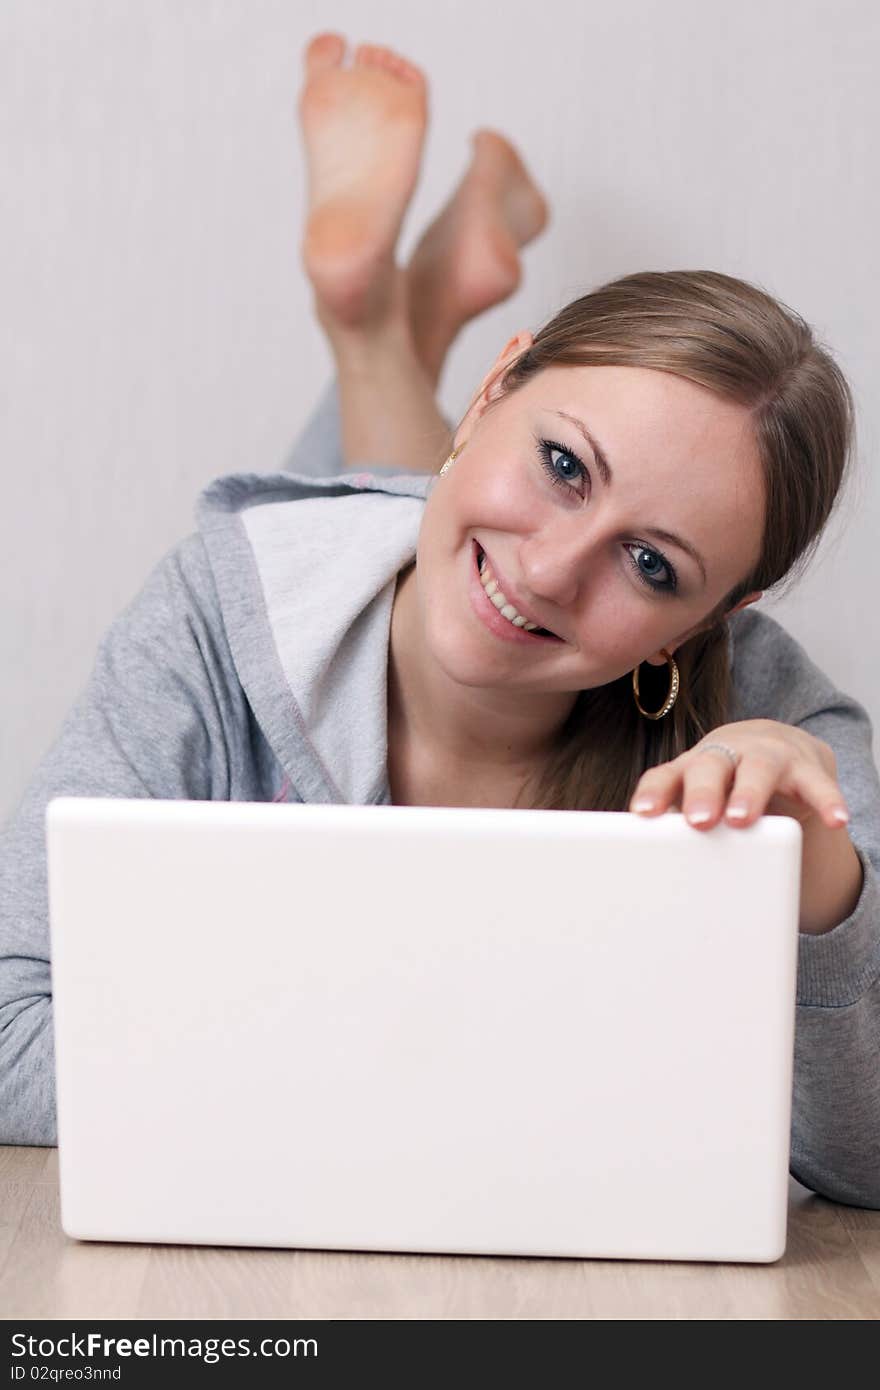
733 338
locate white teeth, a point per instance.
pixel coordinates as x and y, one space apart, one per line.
507 610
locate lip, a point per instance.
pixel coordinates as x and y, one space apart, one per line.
488 613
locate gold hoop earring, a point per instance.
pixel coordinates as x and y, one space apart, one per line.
450 461
673 689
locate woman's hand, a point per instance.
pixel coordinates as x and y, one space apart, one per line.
780 771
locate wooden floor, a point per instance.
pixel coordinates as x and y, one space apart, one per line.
831 1270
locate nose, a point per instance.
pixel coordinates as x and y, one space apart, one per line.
555 560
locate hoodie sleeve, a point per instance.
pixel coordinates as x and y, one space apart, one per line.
835 1136
149 723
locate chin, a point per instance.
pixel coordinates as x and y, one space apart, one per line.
457 655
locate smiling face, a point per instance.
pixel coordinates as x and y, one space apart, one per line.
573 536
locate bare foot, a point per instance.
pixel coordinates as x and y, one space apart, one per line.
363 128
468 258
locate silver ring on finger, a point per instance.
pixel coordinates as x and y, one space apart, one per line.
730 753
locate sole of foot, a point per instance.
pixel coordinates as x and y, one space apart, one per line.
363 127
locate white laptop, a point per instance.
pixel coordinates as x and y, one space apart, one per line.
423 1029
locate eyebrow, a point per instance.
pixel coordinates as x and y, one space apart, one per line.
607 477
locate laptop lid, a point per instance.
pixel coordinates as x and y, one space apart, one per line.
423 1028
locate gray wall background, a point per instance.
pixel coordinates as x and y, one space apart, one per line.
156 327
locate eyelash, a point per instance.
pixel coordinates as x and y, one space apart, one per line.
546 447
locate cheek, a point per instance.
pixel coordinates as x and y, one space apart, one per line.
495 492
441 577
618 629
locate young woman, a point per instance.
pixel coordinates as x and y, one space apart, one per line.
560 618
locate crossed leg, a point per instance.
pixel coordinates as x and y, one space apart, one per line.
390 327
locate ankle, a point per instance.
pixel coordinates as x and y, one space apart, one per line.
430 329
378 309
371 349
431 344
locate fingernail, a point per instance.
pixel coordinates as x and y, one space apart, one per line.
737 810
644 803
698 815
840 815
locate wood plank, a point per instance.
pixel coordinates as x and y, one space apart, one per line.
21 1163
863 1227
216 1282
14 1197
47 1275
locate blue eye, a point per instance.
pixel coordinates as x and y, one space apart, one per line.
668 585
553 455
547 448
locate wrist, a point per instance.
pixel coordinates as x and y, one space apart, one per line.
831 878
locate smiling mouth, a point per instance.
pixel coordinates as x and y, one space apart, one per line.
526 629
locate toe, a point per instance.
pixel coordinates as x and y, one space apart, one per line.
324 51
410 73
373 55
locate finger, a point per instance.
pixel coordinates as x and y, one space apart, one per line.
822 792
707 777
755 782
657 788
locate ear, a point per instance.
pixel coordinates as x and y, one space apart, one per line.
490 386
658 659
744 603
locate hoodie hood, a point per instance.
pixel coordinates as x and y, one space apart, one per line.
306 571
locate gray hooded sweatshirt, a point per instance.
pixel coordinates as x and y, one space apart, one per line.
252 667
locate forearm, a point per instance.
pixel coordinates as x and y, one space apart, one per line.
831 878
389 415
27 1073
836 1097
